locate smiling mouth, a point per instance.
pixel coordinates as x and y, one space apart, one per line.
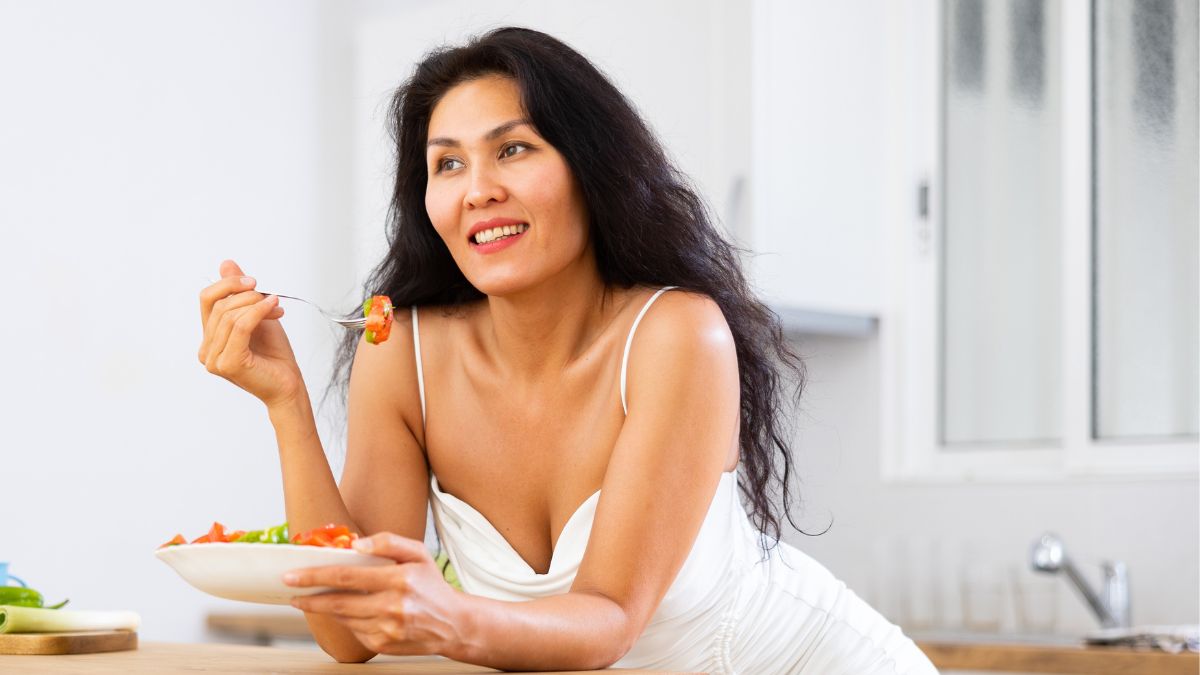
498 233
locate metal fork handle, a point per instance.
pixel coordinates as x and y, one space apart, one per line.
348 323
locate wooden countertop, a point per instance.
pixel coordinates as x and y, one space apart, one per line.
1055 658
960 652
159 657
261 626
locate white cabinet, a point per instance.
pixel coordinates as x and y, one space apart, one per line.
820 191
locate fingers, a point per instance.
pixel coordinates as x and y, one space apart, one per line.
220 290
388 545
229 344
225 309
242 327
231 269
363 579
341 605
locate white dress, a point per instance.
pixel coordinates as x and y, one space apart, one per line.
731 609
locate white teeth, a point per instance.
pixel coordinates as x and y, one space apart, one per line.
484 236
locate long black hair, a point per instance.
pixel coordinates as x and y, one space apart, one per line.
653 229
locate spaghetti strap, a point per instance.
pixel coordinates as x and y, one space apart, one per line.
420 373
629 341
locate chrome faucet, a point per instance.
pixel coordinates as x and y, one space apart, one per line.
1111 608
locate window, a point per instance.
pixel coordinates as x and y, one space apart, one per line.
1046 323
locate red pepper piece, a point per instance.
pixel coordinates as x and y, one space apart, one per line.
331 535
215 535
177 539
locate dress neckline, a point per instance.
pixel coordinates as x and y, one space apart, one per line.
487 525
481 521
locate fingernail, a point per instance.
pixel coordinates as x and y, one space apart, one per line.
364 545
247 281
290 578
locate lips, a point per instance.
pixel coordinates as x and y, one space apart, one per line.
489 224
500 243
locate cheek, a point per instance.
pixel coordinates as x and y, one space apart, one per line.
559 198
440 207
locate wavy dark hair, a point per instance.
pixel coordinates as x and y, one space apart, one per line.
653 229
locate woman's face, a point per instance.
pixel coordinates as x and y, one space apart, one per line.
500 196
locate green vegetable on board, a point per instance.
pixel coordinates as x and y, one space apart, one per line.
37 620
18 596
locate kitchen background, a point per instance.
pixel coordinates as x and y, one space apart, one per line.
948 332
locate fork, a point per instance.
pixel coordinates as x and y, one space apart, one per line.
345 323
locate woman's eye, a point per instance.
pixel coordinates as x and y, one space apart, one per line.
513 149
447 164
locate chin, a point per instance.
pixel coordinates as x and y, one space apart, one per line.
499 286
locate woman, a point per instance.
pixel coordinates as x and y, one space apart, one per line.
583 482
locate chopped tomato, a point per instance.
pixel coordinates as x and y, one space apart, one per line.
382 334
375 321
215 534
233 536
378 310
331 535
177 539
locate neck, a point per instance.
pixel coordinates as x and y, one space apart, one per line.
545 328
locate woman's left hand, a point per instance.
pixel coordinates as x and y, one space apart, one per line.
407 608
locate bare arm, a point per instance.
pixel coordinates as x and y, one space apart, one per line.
683 397
385 481
245 344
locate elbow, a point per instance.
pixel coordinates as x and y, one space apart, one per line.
609 657
336 640
624 645
344 654
626 628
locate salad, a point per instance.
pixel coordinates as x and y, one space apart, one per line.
331 536
378 310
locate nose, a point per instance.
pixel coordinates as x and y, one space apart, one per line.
484 189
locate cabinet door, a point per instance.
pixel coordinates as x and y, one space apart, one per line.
819 163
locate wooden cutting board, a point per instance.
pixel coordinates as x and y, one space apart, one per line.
68 643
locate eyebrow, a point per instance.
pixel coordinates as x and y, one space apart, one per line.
491 135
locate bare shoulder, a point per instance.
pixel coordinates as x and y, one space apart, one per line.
685 321
683 344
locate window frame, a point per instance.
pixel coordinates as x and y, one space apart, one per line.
909 327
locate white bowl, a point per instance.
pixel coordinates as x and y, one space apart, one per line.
254 572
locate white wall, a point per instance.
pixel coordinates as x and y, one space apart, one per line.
140 144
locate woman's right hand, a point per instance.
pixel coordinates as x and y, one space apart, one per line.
244 341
